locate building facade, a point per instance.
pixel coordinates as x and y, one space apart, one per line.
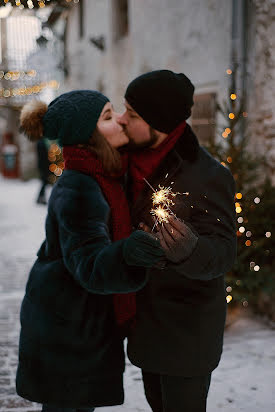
109 42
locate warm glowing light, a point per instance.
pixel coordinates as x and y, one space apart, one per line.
58 171
233 96
228 130
239 209
268 234
228 298
53 167
248 243
256 268
231 116
257 200
237 204
161 213
32 73
61 165
162 199
229 289
229 159
240 219
54 147
222 163
224 135
229 71
27 90
242 229
239 195
162 196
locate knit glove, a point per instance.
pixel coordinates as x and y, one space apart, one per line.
142 249
177 240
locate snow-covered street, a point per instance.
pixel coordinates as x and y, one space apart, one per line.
244 380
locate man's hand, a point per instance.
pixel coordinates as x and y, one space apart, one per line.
144 227
177 240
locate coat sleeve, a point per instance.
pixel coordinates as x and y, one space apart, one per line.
213 221
93 260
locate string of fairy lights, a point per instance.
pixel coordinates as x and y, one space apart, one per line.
30 4
56 159
242 230
24 90
28 90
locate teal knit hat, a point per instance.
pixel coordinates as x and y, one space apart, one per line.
71 118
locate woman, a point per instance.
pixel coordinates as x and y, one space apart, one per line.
71 346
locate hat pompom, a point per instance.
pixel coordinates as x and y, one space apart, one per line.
31 119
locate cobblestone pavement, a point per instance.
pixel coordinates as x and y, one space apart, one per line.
244 380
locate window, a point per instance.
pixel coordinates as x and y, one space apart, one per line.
204 117
120 19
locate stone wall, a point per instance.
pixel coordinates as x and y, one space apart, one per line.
181 35
192 36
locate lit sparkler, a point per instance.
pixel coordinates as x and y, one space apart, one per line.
161 213
162 196
162 199
162 203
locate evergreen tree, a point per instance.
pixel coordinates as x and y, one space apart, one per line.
254 270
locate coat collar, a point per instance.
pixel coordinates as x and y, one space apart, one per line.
183 154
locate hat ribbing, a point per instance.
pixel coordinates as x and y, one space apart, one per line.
71 118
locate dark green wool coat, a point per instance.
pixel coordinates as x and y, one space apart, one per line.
181 310
70 352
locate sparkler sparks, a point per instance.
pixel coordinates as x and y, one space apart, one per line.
162 201
162 196
161 213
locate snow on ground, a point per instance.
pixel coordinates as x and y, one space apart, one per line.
244 380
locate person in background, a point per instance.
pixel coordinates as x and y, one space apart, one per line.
43 168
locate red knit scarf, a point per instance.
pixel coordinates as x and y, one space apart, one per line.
86 162
144 162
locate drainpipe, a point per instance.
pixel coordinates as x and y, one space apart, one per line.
238 53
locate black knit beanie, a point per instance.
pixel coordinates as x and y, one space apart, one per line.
162 98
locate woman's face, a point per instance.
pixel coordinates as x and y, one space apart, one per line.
109 128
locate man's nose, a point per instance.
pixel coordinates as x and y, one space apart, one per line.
121 119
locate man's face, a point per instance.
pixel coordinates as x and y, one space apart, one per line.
140 134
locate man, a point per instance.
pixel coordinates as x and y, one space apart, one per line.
178 335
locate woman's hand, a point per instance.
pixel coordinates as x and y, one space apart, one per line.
142 249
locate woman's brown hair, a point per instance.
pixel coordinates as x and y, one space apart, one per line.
108 155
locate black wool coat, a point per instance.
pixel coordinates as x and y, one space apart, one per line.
71 351
181 310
